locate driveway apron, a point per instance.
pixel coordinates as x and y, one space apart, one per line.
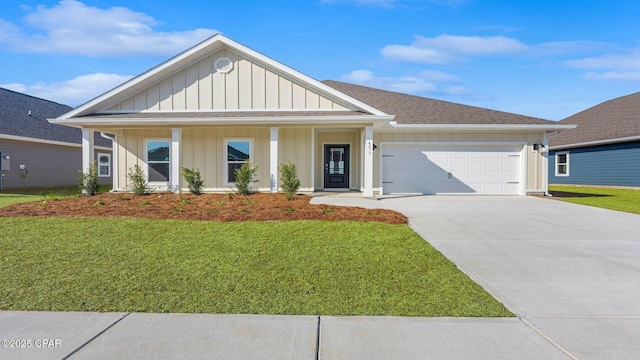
571 272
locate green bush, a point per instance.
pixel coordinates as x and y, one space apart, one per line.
289 178
194 180
138 181
244 177
88 182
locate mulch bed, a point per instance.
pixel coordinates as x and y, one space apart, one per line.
208 207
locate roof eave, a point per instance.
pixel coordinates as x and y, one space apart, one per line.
479 127
377 121
596 142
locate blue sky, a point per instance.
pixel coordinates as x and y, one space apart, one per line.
541 58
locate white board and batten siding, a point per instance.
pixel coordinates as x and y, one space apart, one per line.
248 86
427 168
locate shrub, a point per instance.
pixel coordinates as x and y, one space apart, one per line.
138 181
194 180
244 177
290 182
88 182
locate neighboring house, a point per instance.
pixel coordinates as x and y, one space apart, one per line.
41 154
603 150
220 103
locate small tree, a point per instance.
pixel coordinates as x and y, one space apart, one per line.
194 180
88 182
138 181
244 177
290 182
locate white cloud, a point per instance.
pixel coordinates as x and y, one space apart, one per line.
630 61
424 82
613 75
446 48
71 92
75 28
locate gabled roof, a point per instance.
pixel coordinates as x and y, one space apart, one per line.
416 110
26 116
615 120
103 104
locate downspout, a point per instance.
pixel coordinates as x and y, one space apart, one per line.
545 161
114 161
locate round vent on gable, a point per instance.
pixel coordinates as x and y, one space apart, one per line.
223 65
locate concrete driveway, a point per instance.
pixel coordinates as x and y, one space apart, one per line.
570 272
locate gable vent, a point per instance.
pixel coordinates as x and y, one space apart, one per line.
223 65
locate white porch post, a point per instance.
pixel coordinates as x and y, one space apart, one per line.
87 149
115 174
368 161
273 157
176 139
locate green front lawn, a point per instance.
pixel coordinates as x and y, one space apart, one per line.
296 267
627 200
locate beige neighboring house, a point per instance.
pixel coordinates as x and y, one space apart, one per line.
220 103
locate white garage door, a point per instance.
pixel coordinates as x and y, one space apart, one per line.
428 169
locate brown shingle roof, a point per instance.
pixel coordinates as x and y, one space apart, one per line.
222 114
411 109
612 119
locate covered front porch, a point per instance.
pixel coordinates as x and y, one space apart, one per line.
335 157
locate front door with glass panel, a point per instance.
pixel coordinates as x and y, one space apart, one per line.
336 166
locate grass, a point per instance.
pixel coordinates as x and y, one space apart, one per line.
12 196
626 200
296 267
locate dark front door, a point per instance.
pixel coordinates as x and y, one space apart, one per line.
336 166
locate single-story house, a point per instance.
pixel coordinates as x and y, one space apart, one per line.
603 150
37 153
221 103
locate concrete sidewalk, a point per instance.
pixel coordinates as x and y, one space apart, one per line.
76 335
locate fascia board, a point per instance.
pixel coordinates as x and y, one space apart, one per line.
89 122
595 143
477 127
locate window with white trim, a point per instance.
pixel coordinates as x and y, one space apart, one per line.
562 163
104 165
236 153
158 160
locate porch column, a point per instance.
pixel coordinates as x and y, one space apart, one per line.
273 163
368 161
176 139
115 173
87 149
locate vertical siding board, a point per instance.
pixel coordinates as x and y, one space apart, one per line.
312 100
166 94
258 87
231 82
153 97
208 93
140 101
286 93
192 95
272 90
299 96
244 84
179 91
325 103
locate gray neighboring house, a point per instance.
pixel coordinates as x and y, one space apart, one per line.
603 150
40 154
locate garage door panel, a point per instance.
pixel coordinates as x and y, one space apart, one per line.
451 169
